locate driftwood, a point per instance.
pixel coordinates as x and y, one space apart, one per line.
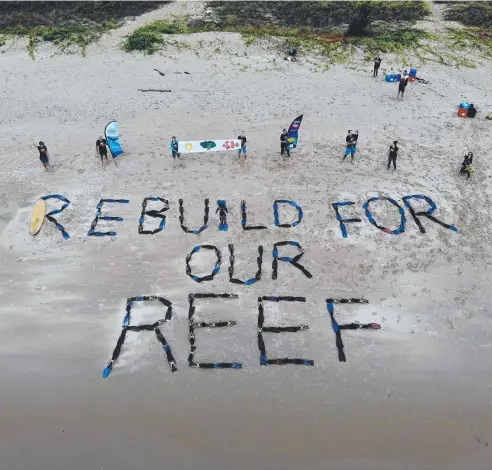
159 91
183 91
162 74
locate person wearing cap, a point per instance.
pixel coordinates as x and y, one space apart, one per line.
351 142
43 155
101 144
393 153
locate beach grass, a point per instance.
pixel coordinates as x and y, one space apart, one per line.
76 36
479 39
333 47
71 26
150 38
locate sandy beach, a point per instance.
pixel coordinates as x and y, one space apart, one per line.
413 395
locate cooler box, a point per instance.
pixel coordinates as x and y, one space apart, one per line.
412 79
464 105
462 112
413 73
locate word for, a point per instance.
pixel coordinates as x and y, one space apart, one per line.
262 329
222 210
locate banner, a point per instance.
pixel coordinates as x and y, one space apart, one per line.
196 146
293 133
113 138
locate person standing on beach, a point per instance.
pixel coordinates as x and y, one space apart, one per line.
393 153
242 138
403 84
377 63
174 144
284 147
101 144
43 155
351 142
466 166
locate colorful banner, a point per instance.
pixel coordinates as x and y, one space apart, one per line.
196 146
293 133
113 138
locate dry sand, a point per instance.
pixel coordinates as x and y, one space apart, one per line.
415 395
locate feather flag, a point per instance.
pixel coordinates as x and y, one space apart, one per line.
113 138
293 133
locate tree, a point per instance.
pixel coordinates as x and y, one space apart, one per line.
362 14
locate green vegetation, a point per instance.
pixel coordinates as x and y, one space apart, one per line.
333 31
65 24
150 38
64 37
56 13
471 38
317 25
362 14
333 47
477 14
320 17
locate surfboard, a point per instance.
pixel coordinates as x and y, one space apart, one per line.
37 218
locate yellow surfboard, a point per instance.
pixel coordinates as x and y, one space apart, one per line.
37 216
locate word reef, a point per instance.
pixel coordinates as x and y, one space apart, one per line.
159 215
261 330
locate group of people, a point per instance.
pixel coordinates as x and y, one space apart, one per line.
351 148
101 150
350 140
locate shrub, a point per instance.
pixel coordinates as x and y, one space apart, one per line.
149 38
471 14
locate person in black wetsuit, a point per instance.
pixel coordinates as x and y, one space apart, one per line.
466 168
101 144
403 84
393 153
377 64
292 54
284 147
43 155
